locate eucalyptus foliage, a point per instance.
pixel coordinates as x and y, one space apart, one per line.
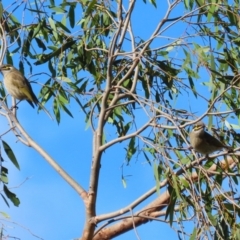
147 90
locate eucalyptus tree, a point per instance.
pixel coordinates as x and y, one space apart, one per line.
143 72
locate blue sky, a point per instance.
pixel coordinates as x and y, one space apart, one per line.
49 207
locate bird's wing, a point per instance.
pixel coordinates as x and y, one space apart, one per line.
25 86
26 89
213 141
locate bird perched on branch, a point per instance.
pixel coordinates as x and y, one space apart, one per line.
19 87
203 142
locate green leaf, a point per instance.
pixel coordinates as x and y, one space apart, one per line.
194 234
56 110
10 154
184 182
148 160
5 214
213 65
37 11
191 4
103 138
58 9
66 110
52 3
164 54
186 3
211 11
54 28
170 209
37 29
157 177
145 87
131 149
192 86
1 10
14 19
9 58
4 178
232 16
88 122
61 25
46 57
90 7
212 219
231 126
153 2
176 185
65 79
62 99
40 43
27 42
124 182
5 200
72 16
52 69
187 59
12 196
82 88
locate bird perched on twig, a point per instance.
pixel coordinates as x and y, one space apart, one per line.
19 87
203 142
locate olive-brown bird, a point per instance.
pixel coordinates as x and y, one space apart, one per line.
203 142
19 87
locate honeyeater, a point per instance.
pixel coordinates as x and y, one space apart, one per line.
18 86
203 142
